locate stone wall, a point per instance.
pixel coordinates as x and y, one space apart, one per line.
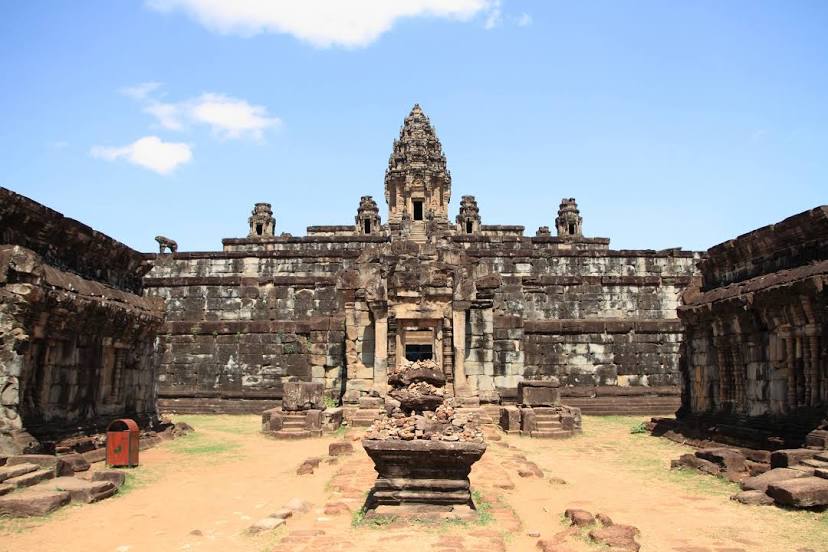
756 351
76 342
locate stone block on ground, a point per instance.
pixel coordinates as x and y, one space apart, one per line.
692 461
510 419
76 460
752 498
265 524
332 418
31 478
46 461
803 492
117 478
338 448
81 490
579 518
761 482
617 537
297 505
729 460
301 395
787 458
5 488
9 472
33 502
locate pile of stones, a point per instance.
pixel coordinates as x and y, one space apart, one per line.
419 408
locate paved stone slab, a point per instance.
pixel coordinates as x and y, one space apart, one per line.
117 478
46 461
33 502
752 498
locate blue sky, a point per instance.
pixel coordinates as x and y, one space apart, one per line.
674 124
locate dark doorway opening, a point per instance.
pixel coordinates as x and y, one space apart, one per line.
571 229
468 227
259 229
418 352
418 210
367 226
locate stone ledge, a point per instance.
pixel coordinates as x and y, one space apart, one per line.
581 326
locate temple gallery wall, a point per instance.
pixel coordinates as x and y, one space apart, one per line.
91 329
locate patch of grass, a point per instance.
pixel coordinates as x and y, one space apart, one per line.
330 402
198 444
341 431
358 519
237 424
639 428
484 508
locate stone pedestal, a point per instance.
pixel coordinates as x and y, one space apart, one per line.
421 476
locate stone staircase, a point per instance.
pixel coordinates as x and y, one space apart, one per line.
645 405
548 425
418 232
293 427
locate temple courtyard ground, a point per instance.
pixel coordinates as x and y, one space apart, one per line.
202 492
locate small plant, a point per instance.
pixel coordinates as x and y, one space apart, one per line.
639 428
484 508
330 402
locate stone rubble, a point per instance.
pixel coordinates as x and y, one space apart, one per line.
424 411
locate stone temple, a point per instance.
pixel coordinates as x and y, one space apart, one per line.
91 330
491 305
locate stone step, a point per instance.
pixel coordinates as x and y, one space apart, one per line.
548 425
81 490
5 488
33 502
814 463
31 478
300 424
554 434
8 472
295 434
822 456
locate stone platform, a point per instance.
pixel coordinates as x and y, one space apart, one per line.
421 476
302 414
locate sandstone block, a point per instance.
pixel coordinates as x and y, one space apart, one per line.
539 393
302 396
81 490
55 463
579 518
339 448
117 478
761 482
790 457
32 502
729 460
803 492
752 498
617 537
265 524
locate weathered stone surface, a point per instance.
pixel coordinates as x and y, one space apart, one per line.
752 498
539 393
761 482
728 460
692 461
81 490
32 502
16 470
579 518
790 457
56 464
339 448
421 472
616 537
265 524
302 396
117 478
803 492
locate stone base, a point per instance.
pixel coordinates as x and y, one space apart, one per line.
416 477
558 422
299 424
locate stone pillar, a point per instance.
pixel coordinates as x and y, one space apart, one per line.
381 350
458 322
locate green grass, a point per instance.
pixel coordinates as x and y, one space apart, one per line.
199 444
237 424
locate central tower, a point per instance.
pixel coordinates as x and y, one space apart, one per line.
417 182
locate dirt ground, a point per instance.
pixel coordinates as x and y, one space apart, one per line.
200 493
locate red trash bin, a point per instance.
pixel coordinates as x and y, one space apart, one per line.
122 443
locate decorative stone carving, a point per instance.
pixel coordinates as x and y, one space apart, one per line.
166 243
569 219
468 219
417 181
368 220
262 223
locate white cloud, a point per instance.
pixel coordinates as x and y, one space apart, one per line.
141 91
149 152
494 17
323 23
231 118
523 20
226 116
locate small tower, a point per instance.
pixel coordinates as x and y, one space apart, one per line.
569 219
262 223
543 232
367 219
468 219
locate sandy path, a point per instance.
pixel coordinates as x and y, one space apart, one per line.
232 476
